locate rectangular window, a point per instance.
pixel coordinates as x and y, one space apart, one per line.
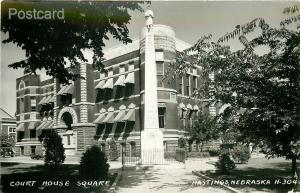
32 150
69 139
22 105
33 103
131 66
172 97
159 55
211 76
187 87
32 133
122 69
161 117
212 110
160 68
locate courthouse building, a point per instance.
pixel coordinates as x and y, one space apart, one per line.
111 105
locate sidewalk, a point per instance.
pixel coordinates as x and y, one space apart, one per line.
69 160
166 178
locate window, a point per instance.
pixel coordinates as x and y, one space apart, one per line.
133 149
212 110
69 139
12 130
32 150
22 105
160 68
172 97
122 69
180 85
21 85
159 55
33 103
187 87
161 117
110 72
211 76
32 133
131 66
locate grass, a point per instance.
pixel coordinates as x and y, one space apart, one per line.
64 179
259 169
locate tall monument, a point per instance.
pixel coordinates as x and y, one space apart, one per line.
151 137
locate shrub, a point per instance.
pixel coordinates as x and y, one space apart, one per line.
37 157
54 149
113 150
93 164
214 152
240 154
225 164
181 142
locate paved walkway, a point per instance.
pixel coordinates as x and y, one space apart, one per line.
166 178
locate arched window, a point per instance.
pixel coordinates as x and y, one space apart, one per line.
21 85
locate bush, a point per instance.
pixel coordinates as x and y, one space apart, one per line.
181 142
214 152
54 149
113 150
93 164
225 164
240 154
37 157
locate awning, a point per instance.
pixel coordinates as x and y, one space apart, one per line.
60 92
109 118
41 125
21 127
109 84
47 100
52 99
196 108
100 84
32 125
129 79
69 89
120 116
189 106
50 126
130 116
47 125
161 105
181 105
42 101
99 119
120 81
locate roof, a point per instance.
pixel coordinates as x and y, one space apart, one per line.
4 114
122 49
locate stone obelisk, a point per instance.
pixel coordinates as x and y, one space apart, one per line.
151 136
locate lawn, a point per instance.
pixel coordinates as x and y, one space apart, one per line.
259 169
22 178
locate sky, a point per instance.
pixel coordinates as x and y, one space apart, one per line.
189 19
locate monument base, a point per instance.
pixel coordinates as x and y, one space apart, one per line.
152 148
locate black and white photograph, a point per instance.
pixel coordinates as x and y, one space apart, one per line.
150 96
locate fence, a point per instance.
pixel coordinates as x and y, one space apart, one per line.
155 157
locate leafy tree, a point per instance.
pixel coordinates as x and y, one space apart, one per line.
113 150
7 144
262 90
54 149
181 142
203 130
93 164
51 44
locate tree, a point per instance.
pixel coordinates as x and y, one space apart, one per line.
7 144
262 90
203 130
54 149
93 164
51 44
